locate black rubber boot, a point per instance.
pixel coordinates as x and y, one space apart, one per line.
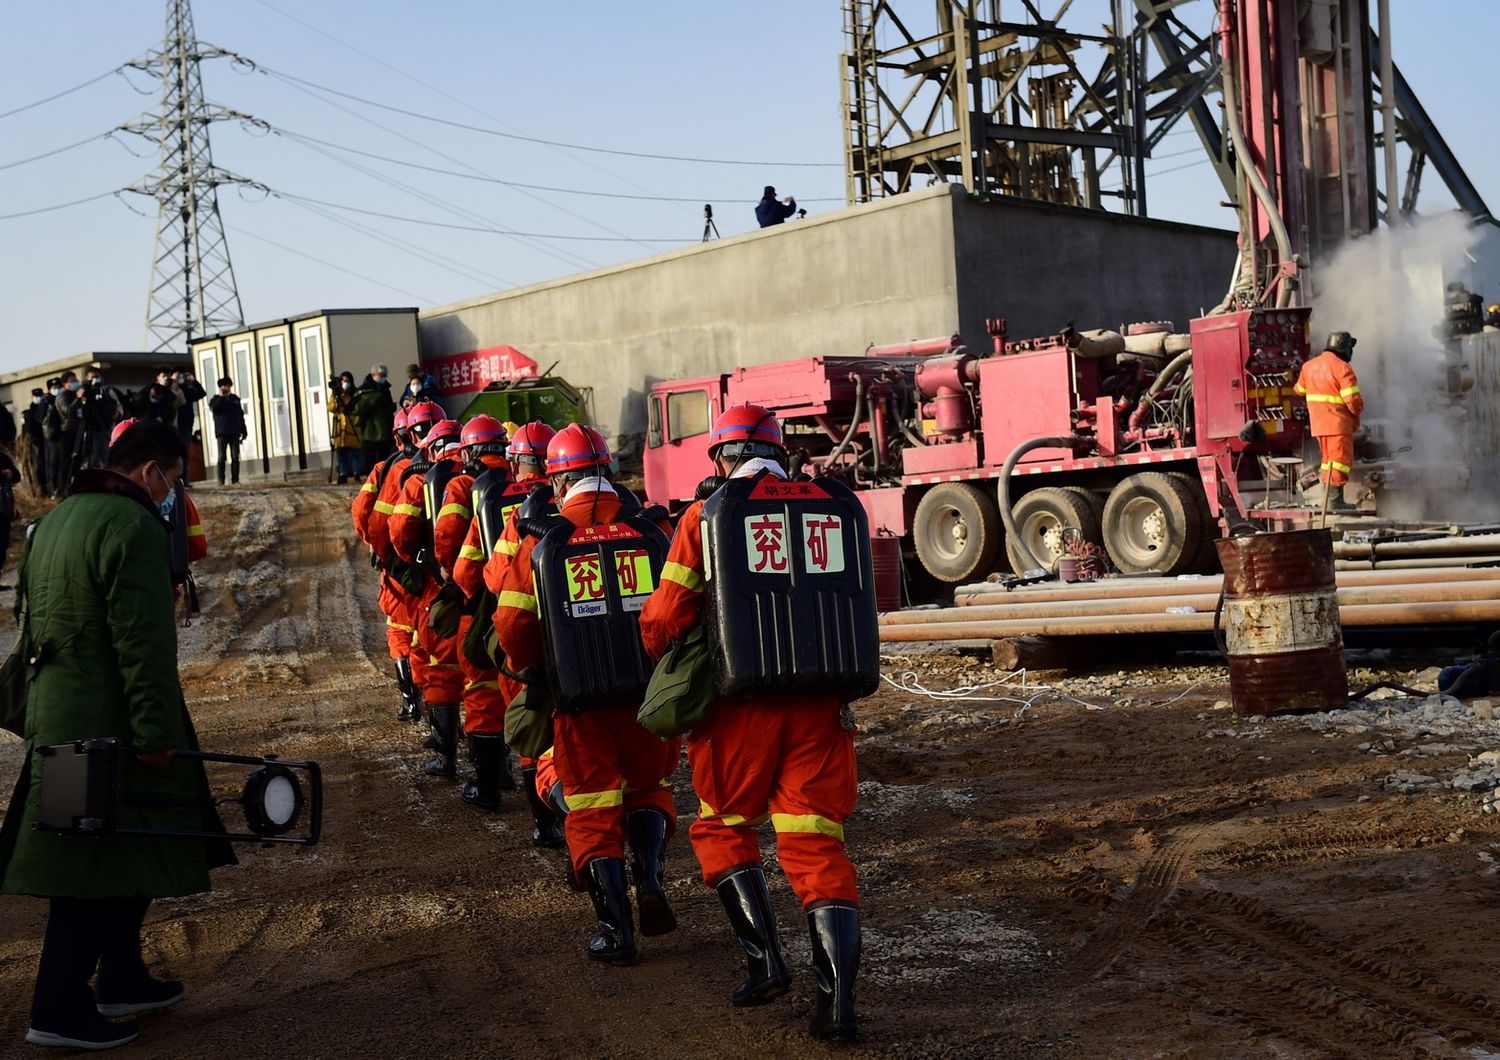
615 942
1336 502
483 792
444 720
745 898
411 699
646 834
834 929
545 828
507 778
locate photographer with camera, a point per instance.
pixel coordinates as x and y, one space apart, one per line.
100 408
160 400
192 392
347 444
770 212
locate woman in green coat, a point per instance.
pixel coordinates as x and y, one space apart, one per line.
103 663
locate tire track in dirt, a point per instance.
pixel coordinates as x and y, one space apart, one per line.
1342 843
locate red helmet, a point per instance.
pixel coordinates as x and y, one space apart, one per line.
530 441
746 423
121 428
439 436
399 423
483 430
420 418
577 447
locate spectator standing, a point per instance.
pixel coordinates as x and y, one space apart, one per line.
374 416
100 407
192 392
420 386
33 444
52 434
229 428
347 443
160 400
97 581
70 413
8 428
770 212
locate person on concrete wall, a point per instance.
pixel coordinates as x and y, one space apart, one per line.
229 428
97 580
788 757
1334 406
347 445
771 212
374 414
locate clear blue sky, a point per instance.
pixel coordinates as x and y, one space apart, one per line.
742 81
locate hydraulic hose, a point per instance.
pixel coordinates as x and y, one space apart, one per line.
1165 376
856 416
1007 517
1252 175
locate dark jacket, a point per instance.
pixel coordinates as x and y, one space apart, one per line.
192 393
374 412
770 211
430 391
33 418
229 417
158 402
97 579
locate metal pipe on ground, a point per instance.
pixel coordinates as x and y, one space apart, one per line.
985 594
1450 592
1442 546
1356 566
1353 615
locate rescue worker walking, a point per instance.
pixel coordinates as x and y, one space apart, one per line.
483 442
412 523
595 564
1334 406
527 455
778 754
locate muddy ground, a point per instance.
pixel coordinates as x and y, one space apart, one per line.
1118 867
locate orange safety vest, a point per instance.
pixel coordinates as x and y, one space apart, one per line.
1331 388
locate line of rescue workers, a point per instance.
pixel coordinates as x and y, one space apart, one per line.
527 596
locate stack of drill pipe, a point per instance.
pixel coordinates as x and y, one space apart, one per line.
1434 553
1366 599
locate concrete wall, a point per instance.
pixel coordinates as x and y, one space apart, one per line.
359 340
830 284
914 266
1042 267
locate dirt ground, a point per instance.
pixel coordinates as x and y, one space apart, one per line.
1118 867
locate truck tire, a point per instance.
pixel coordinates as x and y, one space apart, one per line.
957 532
1041 517
1153 522
1207 559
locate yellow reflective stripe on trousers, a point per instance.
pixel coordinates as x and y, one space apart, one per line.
1345 468
595 800
807 822
686 577
1348 391
455 509
470 552
732 820
520 601
1326 399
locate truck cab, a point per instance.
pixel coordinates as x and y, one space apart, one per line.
679 415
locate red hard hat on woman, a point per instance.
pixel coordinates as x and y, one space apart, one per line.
577 447
483 430
439 436
745 423
530 440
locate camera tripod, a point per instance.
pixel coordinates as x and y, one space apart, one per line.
710 230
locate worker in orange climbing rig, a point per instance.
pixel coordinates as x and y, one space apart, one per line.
1334 406
483 444
527 453
787 757
424 485
596 552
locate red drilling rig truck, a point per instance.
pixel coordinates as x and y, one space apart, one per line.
982 460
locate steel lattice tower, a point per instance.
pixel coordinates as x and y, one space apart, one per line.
192 281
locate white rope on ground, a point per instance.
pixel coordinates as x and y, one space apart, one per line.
911 685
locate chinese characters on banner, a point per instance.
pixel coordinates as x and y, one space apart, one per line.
473 371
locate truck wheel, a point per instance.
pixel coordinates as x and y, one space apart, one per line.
957 532
1153 522
1042 516
1207 559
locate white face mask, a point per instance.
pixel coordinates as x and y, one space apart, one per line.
347 385
416 386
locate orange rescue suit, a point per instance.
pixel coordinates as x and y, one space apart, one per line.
787 759
608 764
1334 406
443 679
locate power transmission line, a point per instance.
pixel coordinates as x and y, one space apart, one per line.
245 233
538 140
59 206
64 92
58 150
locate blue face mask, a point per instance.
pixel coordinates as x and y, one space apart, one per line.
166 506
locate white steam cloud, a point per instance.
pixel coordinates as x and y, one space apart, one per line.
1387 290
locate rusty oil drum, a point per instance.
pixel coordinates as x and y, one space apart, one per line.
1281 623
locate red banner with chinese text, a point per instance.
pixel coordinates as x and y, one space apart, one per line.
463 373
